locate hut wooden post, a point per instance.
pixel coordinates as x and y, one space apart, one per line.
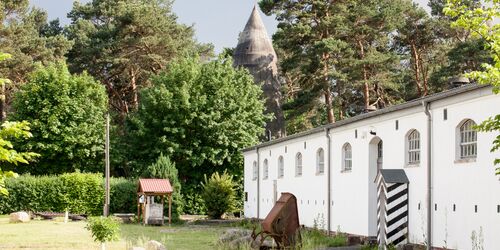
163 205
170 209
138 208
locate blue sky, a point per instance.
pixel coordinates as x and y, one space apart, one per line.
216 21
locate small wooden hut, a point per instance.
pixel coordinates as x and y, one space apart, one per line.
151 199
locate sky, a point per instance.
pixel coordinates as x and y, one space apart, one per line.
216 21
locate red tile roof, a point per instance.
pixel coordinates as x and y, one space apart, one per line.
159 186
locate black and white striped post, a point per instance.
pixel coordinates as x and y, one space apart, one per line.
392 207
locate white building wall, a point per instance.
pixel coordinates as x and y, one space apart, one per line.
353 204
309 189
353 190
465 184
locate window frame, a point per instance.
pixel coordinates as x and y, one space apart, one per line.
281 167
466 141
255 171
298 165
413 148
320 161
265 170
346 158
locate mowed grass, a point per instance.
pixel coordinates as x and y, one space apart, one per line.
73 235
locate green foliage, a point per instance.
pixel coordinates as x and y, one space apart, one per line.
104 229
123 43
77 192
123 195
163 168
315 238
66 115
83 193
12 131
482 22
193 201
21 28
9 131
198 114
219 194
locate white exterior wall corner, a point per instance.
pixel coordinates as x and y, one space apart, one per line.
464 185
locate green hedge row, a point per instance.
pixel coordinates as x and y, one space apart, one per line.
78 192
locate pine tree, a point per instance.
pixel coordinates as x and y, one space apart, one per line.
123 43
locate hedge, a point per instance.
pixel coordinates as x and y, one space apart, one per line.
78 192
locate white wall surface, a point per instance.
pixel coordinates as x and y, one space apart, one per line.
353 201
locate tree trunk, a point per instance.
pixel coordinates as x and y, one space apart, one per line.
329 106
328 96
135 94
416 67
366 88
425 78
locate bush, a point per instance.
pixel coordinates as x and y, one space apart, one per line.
84 193
163 168
219 194
193 201
77 192
123 195
103 229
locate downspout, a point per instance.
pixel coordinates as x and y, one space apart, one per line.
426 105
258 183
329 183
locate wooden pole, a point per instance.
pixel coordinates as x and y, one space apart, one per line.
162 209
170 209
106 152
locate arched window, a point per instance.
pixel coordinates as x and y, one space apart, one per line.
255 171
320 161
468 140
347 157
281 167
413 142
298 164
266 170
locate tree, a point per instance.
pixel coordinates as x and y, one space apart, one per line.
163 168
66 113
21 32
200 115
338 54
104 229
123 43
8 131
219 194
417 38
480 22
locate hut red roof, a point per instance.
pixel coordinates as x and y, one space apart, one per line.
157 186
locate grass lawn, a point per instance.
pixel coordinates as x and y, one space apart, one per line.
73 235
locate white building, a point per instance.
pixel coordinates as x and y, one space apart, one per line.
332 170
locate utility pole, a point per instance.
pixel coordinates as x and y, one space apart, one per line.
106 172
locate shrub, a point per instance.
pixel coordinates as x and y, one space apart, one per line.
103 229
77 192
163 168
219 194
123 195
84 193
193 201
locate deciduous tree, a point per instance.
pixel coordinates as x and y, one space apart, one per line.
200 115
22 36
480 22
66 113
